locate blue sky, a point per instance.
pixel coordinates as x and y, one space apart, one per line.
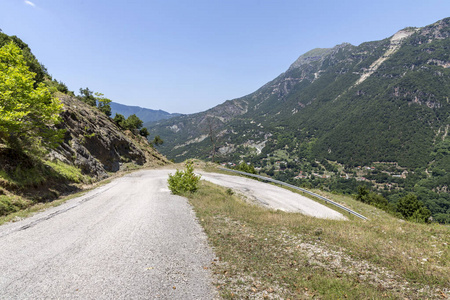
187 56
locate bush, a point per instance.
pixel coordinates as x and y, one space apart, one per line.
184 181
144 132
244 167
413 210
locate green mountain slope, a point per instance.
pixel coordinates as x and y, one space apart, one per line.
383 101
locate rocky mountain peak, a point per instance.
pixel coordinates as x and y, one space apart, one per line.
316 54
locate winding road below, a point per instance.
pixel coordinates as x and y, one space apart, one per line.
273 196
129 239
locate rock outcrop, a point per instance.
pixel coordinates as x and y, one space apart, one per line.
96 145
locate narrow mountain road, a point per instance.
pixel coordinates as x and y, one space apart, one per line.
130 239
273 196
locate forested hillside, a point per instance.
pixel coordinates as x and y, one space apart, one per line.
377 114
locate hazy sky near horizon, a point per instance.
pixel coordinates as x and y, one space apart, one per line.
187 56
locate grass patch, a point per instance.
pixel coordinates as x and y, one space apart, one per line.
67 172
24 176
265 253
11 204
30 209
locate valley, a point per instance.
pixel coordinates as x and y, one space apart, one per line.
373 115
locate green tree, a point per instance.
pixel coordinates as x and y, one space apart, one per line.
30 59
144 132
27 112
412 209
133 122
119 120
103 104
363 193
157 141
87 96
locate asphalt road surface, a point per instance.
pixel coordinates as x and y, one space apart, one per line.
273 197
130 239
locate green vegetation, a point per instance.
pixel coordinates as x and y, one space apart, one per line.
371 198
27 110
87 96
96 99
67 172
130 123
264 253
103 104
144 132
412 209
408 207
184 181
28 180
11 204
157 141
32 63
119 120
244 167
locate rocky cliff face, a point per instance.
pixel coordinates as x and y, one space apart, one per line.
96 145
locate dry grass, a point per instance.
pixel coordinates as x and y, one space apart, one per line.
273 254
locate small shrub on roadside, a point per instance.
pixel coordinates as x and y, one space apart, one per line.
184 181
244 167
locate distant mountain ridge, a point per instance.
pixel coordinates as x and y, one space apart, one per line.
145 114
383 104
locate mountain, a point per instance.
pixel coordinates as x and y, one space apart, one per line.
145 114
337 110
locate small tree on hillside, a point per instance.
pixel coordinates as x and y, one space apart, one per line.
26 112
133 122
87 96
144 132
157 141
103 104
412 209
119 120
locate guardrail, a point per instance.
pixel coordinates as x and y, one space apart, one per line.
297 188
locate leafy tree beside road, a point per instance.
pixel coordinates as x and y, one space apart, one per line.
26 112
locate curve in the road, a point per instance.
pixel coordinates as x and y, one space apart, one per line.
273 196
